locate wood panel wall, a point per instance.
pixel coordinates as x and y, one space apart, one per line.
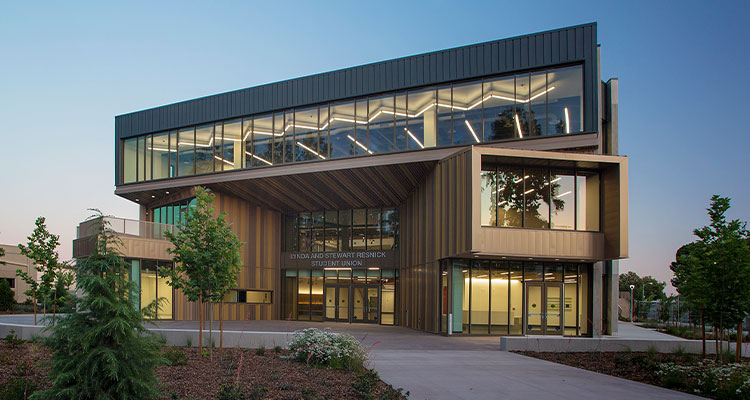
260 231
435 224
615 210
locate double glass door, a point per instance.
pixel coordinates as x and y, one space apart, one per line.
544 309
352 303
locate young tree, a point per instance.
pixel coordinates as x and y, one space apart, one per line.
690 281
206 256
7 298
646 289
42 250
102 350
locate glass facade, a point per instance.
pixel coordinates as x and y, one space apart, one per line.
539 198
518 106
174 213
150 286
343 230
341 294
514 297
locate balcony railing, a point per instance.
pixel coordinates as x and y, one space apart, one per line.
124 226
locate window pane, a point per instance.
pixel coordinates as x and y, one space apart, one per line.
480 297
129 160
303 295
422 130
217 146
148 282
324 127
516 298
331 231
316 300
185 154
263 141
565 99
247 136
204 151
141 159
233 143
533 271
305 234
306 134
521 118
401 135
536 200
172 154
583 297
489 197
510 196
538 104
381 117
148 156
587 198
373 229
164 291
362 145
444 117
467 113
342 129
359 230
390 228
290 233
553 272
345 232
499 300
571 299
460 300
289 145
278 138
317 232
563 207
160 149
499 116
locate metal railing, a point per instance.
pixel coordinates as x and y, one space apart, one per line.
124 226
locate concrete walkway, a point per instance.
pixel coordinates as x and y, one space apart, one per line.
428 366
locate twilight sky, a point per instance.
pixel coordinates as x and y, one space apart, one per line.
66 70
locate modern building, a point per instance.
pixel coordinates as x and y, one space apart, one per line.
474 190
12 262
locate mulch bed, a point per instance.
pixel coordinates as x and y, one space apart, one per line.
270 374
640 367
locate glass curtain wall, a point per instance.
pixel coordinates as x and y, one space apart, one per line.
540 198
487 297
150 286
519 106
345 230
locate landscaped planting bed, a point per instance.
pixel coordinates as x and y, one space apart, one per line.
259 374
679 371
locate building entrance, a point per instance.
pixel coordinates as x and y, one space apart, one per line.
352 303
543 308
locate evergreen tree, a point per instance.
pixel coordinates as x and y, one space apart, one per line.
7 297
206 256
102 351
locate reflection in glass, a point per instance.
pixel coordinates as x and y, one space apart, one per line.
279 137
331 231
148 282
534 271
510 188
345 233
316 296
587 197
161 151
172 154
163 290
359 230
373 229
141 159
317 231
204 150
324 125
263 134
147 157
186 152
303 295
381 123
341 121
306 134
536 192
390 228
305 235
444 117
480 297
231 154
288 130
422 130
130 160
467 113
563 209
247 137
489 197
361 140
401 122
537 104
218 148
499 109
565 101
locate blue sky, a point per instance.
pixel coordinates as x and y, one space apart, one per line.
67 68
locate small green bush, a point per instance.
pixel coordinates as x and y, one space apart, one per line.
13 340
18 389
257 392
189 341
175 357
7 297
260 351
230 391
652 352
324 348
277 349
365 384
708 378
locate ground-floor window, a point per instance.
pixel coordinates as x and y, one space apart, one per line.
515 297
341 294
150 286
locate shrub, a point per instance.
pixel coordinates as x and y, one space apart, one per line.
708 378
189 340
277 349
652 352
13 340
260 351
18 389
175 357
229 391
324 348
365 384
7 297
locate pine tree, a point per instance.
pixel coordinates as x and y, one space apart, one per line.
102 350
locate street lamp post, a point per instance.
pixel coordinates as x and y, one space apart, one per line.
631 303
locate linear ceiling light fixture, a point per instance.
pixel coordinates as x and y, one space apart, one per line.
224 161
258 158
518 126
472 131
359 144
566 193
411 135
310 150
567 121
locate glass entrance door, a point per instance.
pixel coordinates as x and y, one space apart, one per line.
543 309
330 301
364 304
342 305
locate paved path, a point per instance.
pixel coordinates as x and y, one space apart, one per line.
461 367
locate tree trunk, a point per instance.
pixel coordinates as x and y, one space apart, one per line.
738 350
703 332
716 341
221 328
200 326
211 329
34 300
